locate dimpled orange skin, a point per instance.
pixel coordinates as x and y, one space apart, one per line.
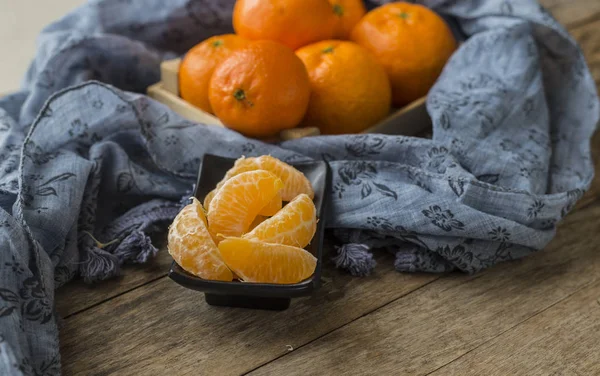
260 90
347 13
411 42
294 23
199 63
350 89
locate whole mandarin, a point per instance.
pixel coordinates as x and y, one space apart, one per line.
347 14
411 42
260 90
294 23
350 89
199 63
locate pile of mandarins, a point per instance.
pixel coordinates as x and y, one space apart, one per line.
327 64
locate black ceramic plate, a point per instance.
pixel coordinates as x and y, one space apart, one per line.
259 295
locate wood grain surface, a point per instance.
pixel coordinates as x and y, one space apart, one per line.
536 316
573 13
77 296
562 340
164 325
448 318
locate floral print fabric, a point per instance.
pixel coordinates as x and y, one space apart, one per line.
81 160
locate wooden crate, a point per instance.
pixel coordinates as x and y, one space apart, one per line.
409 120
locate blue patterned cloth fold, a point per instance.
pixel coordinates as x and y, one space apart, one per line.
89 169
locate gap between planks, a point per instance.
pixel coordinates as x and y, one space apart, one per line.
519 290
349 322
567 344
168 319
116 295
524 321
165 320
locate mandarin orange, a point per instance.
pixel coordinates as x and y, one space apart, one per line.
256 261
272 207
347 14
294 23
199 63
293 225
192 247
257 221
294 181
350 89
260 90
237 203
412 43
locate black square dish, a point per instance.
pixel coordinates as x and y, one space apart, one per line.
259 295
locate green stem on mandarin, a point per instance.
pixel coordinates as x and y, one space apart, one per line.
240 95
338 10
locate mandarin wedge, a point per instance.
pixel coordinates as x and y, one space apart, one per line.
272 207
257 221
294 182
256 261
191 245
293 225
239 201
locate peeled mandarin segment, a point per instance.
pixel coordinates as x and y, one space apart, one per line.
294 225
257 221
294 181
192 247
272 207
239 201
209 198
249 89
256 261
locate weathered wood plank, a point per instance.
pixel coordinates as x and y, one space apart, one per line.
588 38
448 318
162 326
593 194
77 296
573 13
589 41
563 340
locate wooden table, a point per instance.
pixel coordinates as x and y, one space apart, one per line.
536 316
